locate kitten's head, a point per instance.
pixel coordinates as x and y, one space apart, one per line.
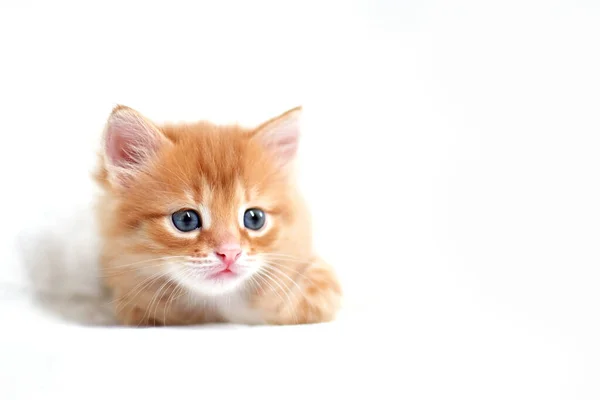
213 208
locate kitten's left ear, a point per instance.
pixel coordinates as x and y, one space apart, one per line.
280 135
130 144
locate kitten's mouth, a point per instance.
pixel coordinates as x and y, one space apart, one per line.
223 274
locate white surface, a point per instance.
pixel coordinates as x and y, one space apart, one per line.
450 156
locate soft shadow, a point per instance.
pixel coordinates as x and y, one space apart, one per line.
61 268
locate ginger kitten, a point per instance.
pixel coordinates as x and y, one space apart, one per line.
202 223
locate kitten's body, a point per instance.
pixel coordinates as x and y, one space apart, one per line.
162 276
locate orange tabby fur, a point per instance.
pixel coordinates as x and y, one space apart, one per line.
220 168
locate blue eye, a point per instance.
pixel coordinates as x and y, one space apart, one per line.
186 220
254 219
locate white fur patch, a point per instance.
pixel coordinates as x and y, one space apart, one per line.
236 310
205 216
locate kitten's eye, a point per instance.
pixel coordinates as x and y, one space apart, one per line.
254 219
186 220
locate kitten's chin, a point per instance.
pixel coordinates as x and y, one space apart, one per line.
215 286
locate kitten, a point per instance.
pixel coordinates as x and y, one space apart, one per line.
202 223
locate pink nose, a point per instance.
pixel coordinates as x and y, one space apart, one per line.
228 253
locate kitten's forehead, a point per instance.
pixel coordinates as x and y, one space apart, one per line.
220 200
225 203
218 170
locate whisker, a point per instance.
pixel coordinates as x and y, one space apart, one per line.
116 270
142 283
155 297
176 296
181 292
172 285
284 256
280 265
259 275
300 291
255 285
286 292
144 261
273 268
140 288
165 308
129 270
268 275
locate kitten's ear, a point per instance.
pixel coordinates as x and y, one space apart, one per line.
280 135
130 143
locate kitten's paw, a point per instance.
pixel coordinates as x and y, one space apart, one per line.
314 297
162 312
135 316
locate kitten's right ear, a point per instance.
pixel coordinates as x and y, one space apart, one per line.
130 142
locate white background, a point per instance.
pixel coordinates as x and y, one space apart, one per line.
450 156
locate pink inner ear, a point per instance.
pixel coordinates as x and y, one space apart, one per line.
119 150
129 139
286 146
281 136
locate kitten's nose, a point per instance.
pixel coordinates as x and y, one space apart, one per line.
228 253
